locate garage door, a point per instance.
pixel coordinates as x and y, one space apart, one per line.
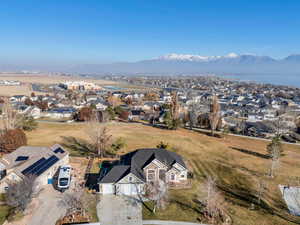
127 189
107 188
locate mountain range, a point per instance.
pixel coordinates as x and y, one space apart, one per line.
180 64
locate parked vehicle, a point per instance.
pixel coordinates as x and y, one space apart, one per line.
64 177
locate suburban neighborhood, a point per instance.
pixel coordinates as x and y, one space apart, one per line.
150 112
89 175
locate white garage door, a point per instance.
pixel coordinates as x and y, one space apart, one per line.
127 189
107 188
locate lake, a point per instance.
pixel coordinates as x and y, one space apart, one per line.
278 79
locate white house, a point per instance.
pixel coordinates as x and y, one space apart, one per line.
18 98
42 162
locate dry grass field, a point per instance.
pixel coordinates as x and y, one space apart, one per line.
28 79
49 79
15 90
237 163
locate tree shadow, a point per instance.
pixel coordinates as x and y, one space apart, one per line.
78 146
249 152
92 181
239 189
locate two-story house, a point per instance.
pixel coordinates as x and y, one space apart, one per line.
139 167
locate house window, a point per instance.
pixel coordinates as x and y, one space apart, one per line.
151 175
182 176
172 178
162 174
130 179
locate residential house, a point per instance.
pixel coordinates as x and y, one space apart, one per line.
135 115
135 169
18 98
42 162
63 112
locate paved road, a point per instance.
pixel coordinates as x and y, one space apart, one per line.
243 136
166 222
117 210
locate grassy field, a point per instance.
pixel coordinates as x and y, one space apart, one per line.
237 163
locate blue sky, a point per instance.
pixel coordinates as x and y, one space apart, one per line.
96 31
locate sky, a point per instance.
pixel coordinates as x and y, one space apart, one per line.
101 31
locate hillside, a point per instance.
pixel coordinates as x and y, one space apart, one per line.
238 163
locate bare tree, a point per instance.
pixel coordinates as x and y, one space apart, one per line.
174 106
275 150
157 191
19 194
99 136
215 114
192 115
261 190
10 119
213 202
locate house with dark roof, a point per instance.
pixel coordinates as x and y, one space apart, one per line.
41 162
137 168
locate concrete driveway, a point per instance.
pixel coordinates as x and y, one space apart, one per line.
119 210
48 211
44 209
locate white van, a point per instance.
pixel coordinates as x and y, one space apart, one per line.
64 177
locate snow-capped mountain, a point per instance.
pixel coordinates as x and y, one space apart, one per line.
182 64
230 58
197 58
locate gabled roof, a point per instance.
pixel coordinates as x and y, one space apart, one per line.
134 162
116 174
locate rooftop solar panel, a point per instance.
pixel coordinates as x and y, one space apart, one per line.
59 150
46 165
21 158
29 169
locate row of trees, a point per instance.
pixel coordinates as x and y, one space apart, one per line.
213 119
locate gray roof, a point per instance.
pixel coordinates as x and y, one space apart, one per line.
115 174
135 161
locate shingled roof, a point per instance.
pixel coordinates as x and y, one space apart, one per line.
135 161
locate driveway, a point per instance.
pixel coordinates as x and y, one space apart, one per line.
119 210
48 211
44 209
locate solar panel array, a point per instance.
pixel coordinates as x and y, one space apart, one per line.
40 166
59 150
34 165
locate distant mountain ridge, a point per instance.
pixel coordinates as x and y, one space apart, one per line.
181 64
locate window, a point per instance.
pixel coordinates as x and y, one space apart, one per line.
162 174
130 179
182 176
172 177
151 175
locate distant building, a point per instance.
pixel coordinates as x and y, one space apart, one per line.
79 85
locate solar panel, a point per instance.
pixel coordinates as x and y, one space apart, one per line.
21 158
59 150
34 165
46 165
